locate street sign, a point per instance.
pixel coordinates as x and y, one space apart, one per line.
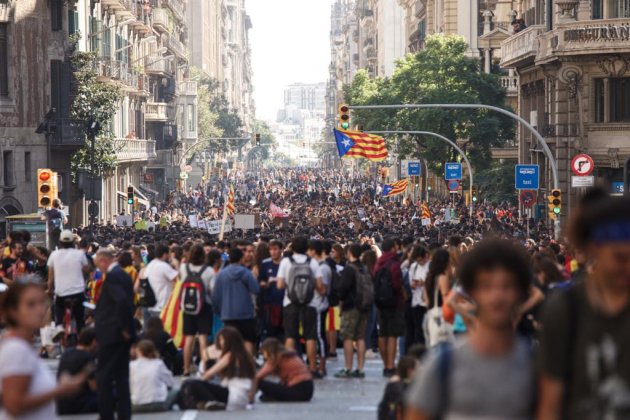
582 181
452 171
527 177
617 187
528 197
453 185
582 165
413 168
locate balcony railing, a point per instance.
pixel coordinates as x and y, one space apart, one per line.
176 46
129 8
156 111
161 20
69 133
510 84
177 7
134 149
158 65
187 88
520 46
605 36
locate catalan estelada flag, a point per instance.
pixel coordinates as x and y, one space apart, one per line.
426 214
356 144
395 188
173 318
229 207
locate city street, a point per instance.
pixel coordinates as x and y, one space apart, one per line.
339 398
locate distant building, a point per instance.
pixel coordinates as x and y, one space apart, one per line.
311 97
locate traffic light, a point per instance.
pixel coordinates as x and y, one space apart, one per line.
130 195
474 193
46 185
257 139
555 203
344 117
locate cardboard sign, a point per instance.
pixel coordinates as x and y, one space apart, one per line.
244 221
124 220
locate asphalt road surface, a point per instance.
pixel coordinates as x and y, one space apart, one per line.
334 398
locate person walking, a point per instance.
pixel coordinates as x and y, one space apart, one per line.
232 298
115 331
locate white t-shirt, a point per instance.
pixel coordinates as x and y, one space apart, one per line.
418 272
18 358
238 393
161 276
285 266
207 276
68 267
149 380
320 302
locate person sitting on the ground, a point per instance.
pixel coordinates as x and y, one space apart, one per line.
74 361
392 404
152 384
296 382
236 369
163 342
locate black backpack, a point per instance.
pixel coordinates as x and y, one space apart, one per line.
364 287
301 283
385 297
146 295
193 292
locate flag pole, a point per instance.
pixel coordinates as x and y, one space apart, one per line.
224 219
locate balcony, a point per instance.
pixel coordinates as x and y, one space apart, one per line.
161 20
129 150
187 88
603 36
156 111
510 84
68 133
520 47
158 66
177 47
177 7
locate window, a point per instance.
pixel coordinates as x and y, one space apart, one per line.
27 166
598 9
4 59
7 159
620 99
600 97
191 118
73 21
614 93
56 15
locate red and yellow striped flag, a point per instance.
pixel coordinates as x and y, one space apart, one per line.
172 317
229 207
426 214
357 144
395 188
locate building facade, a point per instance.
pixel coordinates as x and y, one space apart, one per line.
574 86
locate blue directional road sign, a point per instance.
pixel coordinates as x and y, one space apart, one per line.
413 169
617 187
453 171
527 177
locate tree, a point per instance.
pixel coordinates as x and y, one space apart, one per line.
441 73
228 120
94 101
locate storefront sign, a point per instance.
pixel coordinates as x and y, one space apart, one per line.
598 33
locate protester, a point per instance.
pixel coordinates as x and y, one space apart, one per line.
584 351
468 380
27 386
74 361
353 319
197 324
236 370
161 277
163 342
15 265
392 404
115 332
301 276
151 383
390 304
232 298
320 303
296 382
418 271
271 297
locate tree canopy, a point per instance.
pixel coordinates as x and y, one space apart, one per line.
441 73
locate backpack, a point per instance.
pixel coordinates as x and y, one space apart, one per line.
193 295
300 283
146 296
384 289
55 218
364 287
333 296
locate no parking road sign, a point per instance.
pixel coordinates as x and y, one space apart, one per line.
453 186
582 165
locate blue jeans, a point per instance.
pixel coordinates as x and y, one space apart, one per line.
371 327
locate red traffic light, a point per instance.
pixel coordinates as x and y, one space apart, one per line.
344 108
44 176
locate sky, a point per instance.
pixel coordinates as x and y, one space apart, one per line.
290 44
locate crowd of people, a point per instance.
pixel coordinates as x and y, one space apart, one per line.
473 317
